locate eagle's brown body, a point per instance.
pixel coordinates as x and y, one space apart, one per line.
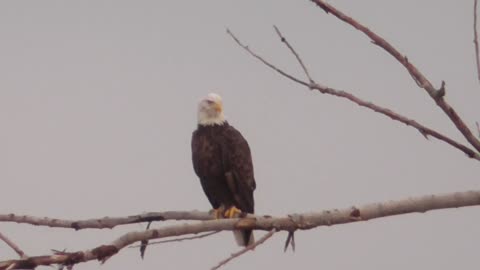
223 162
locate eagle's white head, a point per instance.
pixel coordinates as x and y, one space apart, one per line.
210 110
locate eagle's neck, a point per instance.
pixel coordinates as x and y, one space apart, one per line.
211 121
222 124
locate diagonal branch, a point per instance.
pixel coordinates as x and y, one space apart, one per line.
289 223
343 94
297 56
11 244
245 249
475 37
420 79
283 73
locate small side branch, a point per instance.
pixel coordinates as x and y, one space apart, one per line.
14 246
475 38
179 239
297 56
252 53
245 250
289 223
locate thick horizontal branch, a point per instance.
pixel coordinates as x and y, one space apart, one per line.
420 79
289 223
424 130
105 222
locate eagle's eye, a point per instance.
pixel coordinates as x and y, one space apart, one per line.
209 102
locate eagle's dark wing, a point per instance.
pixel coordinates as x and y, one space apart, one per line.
237 163
204 155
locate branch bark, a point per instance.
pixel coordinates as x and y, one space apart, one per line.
418 77
288 223
106 222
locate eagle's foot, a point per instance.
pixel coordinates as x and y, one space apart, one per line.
232 212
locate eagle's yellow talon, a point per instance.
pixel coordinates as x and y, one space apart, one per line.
232 212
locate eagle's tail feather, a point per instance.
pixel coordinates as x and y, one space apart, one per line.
244 238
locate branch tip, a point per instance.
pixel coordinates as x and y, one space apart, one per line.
290 241
297 56
144 243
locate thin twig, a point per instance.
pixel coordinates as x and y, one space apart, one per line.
144 243
475 37
299 60
14 246
179 239
419 78
244 250
290 241
246 48
382 110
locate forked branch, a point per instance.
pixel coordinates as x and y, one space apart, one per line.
424 130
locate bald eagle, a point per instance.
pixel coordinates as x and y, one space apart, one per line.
223 162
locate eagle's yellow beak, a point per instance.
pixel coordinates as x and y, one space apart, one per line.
218 107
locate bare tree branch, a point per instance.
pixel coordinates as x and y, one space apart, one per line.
289 223
14 246
178 239
343 94
245 47
245 249
475 37
297 56
106 222
420 79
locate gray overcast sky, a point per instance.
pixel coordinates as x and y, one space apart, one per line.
98 102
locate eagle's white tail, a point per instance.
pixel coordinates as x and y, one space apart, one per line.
241 237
